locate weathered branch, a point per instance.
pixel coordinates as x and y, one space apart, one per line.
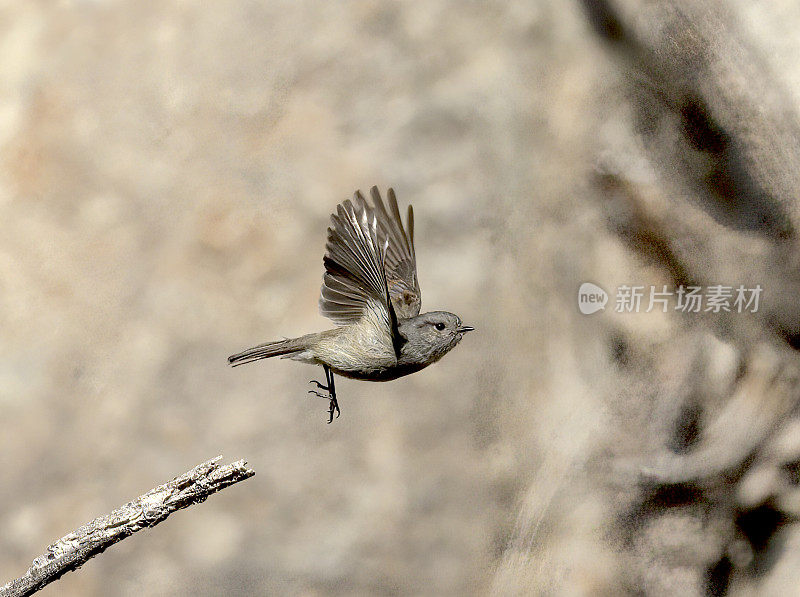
73 550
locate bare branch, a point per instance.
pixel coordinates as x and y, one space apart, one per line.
73 550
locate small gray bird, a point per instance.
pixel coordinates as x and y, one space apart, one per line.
370 291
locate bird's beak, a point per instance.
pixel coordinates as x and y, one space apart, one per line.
464 329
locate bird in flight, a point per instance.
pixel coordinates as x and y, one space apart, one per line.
370 290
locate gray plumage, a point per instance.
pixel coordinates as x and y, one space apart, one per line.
370 290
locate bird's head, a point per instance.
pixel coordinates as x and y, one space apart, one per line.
431 335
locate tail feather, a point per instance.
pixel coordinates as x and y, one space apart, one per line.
267 350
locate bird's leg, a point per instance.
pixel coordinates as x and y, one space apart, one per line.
331 389
334 405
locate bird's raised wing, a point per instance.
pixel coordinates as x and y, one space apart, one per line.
401 262
354 285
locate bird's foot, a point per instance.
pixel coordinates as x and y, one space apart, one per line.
320 386
334 405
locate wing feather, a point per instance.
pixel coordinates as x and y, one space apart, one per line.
400 262
355 275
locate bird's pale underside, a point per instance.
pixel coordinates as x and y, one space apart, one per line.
370 290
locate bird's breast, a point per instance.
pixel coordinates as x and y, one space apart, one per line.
359 350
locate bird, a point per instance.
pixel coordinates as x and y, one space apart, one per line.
371 292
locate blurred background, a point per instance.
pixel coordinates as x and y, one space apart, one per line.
166 178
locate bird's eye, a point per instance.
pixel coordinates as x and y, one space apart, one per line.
439 326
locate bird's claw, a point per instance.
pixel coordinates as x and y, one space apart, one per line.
320 386
331 396
334 407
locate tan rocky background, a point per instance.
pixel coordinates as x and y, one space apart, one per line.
166 175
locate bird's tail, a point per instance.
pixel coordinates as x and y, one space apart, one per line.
270 349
